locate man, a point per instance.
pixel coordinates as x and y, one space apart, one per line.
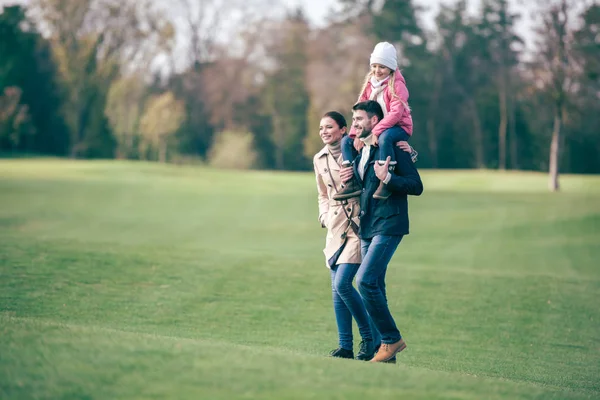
383 223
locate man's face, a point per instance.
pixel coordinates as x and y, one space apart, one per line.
363 125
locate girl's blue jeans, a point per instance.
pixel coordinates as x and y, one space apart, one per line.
387 140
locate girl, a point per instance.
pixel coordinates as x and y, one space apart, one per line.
385 84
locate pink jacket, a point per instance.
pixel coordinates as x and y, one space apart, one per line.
398 114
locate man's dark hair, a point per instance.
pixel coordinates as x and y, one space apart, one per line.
371 107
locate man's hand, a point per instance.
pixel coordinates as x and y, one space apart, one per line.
404 146
382 170
358 144
346 173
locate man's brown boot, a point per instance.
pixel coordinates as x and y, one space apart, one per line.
348 190
388 351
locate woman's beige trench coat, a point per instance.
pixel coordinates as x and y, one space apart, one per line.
340 236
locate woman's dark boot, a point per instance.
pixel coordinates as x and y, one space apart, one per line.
340 352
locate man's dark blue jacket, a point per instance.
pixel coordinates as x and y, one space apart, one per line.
390 216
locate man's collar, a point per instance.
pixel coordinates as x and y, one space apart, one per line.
368 141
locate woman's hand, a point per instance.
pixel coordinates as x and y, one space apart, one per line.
346 174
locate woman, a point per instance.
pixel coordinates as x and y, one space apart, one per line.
342 248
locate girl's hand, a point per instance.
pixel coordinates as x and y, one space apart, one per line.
375 140
358 144
405 146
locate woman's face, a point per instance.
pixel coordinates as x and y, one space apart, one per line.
380 72
330 131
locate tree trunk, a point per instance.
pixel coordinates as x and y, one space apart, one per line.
431 129
512 134
478 133
553 183
162 150
432 141
279 142
502 127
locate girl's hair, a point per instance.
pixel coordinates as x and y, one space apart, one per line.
337 117
391 84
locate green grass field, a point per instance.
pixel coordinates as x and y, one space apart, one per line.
131 280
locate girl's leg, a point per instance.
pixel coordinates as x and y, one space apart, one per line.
351 188
387 140
349 153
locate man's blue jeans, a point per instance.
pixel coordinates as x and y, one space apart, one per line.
370 279
347 303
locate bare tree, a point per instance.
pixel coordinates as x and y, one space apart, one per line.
92 40
212 24
554 73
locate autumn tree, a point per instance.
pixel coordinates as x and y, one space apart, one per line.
162 117
554 74
92 40
287 98
124 107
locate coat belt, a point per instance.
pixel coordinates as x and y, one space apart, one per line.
353 200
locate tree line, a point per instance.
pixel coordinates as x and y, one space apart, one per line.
236 84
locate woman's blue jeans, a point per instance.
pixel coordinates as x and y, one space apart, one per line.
347 303
370 279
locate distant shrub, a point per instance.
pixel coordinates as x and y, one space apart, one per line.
233 149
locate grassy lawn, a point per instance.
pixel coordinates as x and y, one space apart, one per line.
132 280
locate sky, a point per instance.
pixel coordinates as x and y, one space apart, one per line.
318 11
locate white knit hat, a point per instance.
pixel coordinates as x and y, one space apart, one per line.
384 53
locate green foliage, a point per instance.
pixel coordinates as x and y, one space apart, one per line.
312 140
161 120
124 106
286 94
140 280
234 150
26 64
15 124
476 101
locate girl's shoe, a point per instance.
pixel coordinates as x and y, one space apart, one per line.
382 192
348 190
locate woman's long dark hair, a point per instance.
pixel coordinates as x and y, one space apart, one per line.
337 117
